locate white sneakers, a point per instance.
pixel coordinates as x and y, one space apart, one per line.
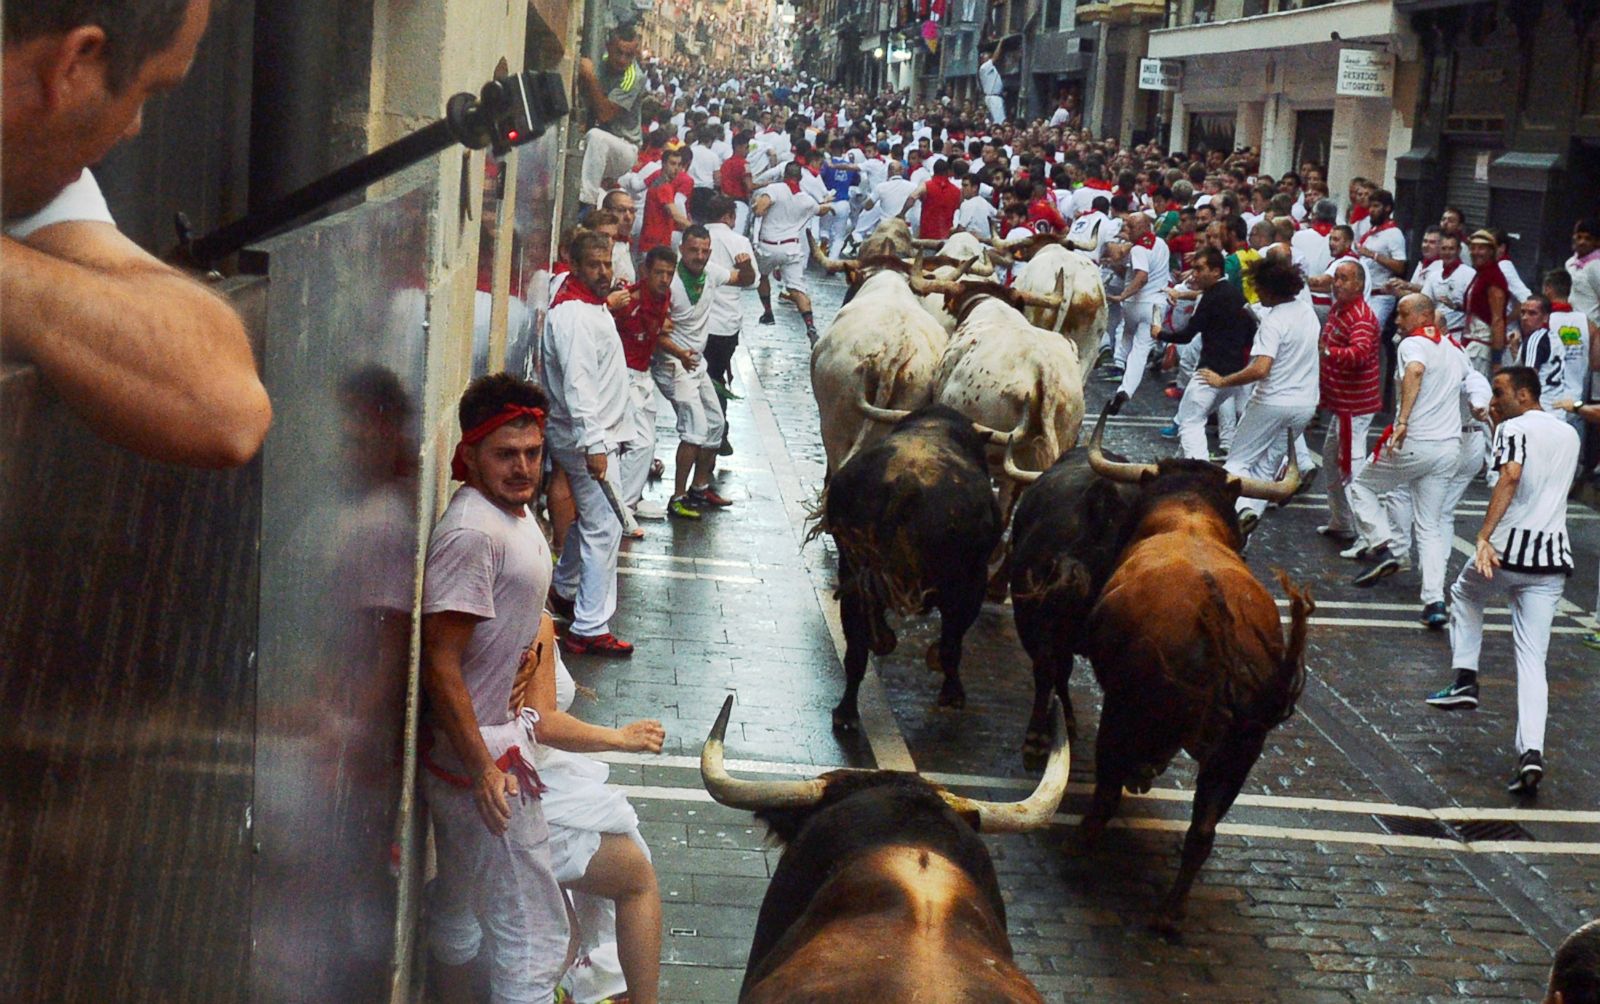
647 509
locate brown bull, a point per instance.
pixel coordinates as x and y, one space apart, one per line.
1188 649
884 892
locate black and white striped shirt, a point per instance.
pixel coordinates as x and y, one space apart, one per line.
1532 535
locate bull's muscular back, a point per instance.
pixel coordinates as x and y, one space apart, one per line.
899 923
1183 623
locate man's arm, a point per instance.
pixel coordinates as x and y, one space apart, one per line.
1497 319
149 358
1410 385
603 107
563 731
761 205
1258 369
744 271
1505 490
444 638
911 199
1135 284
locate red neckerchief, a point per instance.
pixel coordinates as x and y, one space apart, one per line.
1560 307
1449 268
1427 261
1097 185
646 156
1358 214
1388 224
1148 241
576 289
1322 228
794 186
478 433
1427 331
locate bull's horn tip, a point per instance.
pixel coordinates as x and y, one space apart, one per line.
720 729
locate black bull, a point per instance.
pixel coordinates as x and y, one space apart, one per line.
885 891
915 520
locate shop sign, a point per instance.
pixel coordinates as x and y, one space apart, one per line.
1365 73
1160 74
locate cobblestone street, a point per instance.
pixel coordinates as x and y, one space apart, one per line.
1374 854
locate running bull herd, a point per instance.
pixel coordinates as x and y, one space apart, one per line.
950 408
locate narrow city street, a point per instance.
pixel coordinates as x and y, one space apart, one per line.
1374 854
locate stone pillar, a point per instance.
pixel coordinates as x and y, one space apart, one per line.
1247 124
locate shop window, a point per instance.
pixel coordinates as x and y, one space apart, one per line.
1313 135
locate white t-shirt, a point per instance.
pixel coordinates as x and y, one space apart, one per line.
1390 242
1091 227
491 564
690 317
989 80
890 196
726 317
1156 264
80 201
789 214
1532 535
1571 329
1289 334
977 215
1083 199
1436 414
1542 352
1450 293
1311 251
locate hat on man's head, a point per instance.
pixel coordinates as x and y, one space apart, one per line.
1484 237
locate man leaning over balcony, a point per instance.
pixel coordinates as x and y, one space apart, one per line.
149 358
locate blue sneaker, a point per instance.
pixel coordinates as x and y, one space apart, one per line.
1169 431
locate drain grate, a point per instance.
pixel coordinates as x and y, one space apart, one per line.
1415 826
1491 829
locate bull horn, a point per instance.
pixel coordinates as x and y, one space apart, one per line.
887 416
994 436
1273 491
931 287
998 257
830 265
1109 469
977 266
1015 473
926 242
1050 300
1035 811
739 794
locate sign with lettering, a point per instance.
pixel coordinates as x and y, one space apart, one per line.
1160 74
1365 73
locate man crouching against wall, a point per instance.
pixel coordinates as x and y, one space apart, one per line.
484 587
148 358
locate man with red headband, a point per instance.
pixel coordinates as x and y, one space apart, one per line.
484 584
590 420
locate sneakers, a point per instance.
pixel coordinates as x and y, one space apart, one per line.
1357 551
1103 357
767 318
647 509
1590 639
725 450
700 498
559 605
1434 616
1337 533
725 392
681 508
1111 374
1115 407
1461 694
1387 565
608 645
1173 392
1530 771
1169 431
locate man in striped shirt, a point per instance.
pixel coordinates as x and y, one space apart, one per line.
1522 550
1352 389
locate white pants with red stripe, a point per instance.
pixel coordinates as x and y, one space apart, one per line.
1533 600
1339 515
1425 467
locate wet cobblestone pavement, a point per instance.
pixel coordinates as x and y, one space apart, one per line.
1374 854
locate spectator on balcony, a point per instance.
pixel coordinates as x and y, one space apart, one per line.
992 86
614 91
148 358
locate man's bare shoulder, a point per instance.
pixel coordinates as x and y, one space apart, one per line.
93 244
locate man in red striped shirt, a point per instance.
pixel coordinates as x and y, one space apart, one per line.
1352 371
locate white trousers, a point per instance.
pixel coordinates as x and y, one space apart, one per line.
642 447
1260 443
741 216
1188 360
1383 308
503 885
587 571
997 108
1425 467
836 227
604 156
1339 515
1533 600
1138 338
1200 400
1398 503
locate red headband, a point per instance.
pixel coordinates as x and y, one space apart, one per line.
478 433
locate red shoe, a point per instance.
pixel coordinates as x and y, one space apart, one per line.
707 496
607 644
1174 392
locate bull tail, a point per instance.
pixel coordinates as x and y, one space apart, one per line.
1301 607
